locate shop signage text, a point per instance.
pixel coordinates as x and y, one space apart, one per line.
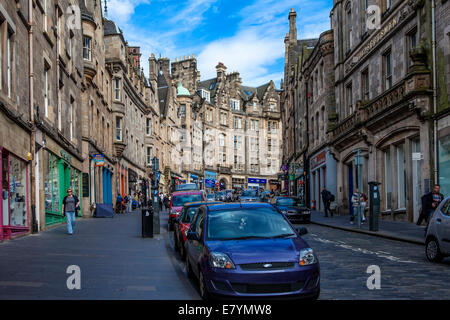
319 159
66 156
99 160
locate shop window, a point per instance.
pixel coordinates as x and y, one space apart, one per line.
14 191
387 178
401 176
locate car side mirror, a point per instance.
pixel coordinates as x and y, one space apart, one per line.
302 231
192 236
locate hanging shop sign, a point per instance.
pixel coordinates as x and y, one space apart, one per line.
99 160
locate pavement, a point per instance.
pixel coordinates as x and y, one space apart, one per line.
394 230
114 260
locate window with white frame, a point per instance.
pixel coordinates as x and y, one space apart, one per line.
87 49
117 88
221 140
235 104
148 126
119 129
46 90
45 16
205 95
71 110
9 63
149 156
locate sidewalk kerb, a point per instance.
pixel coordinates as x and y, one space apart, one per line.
371 233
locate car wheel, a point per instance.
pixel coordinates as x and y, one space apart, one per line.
189 272
204 294
175 242
432 250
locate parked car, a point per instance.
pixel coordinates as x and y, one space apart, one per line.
292 208
182 223
244 250
210 197
186 187
249 195
177 201
221 196
437 243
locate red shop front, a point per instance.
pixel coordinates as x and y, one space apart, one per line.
14 209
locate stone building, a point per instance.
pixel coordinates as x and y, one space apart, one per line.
15 119
240 128
132 97
58 81
442 18
97 117
383 102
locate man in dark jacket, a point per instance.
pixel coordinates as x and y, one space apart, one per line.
430 201
326 198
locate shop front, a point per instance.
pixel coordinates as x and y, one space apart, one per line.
275 185
322 175
14 211
257 183
132 182
238 182
61 172
210 181
444 154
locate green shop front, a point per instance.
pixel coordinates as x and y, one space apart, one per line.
61 171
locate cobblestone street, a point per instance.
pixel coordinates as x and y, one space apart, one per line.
116 263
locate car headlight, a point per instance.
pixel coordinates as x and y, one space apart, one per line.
221 260
284 212
307 257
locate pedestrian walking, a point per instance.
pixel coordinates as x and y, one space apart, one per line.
70 205
160 202
363 206
166 202
326 199
119 200
126 202
357 201
430 201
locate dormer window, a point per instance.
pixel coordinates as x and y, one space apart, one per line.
205 95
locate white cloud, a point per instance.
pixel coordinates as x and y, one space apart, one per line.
247 52
121 10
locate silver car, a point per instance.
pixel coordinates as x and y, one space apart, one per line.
437 244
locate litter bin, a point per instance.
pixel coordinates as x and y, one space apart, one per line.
147 222
374 205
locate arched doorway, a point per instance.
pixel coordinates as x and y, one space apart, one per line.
222 184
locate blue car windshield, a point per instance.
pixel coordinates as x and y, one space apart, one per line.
251 223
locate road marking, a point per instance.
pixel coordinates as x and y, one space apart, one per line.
380 254
142 288
21 284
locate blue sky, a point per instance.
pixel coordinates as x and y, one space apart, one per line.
247 36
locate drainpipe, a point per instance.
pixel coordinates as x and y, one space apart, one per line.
34 224
433 44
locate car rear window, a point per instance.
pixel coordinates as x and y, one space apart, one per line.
287 202
179 201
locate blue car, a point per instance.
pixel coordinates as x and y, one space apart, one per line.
250 250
